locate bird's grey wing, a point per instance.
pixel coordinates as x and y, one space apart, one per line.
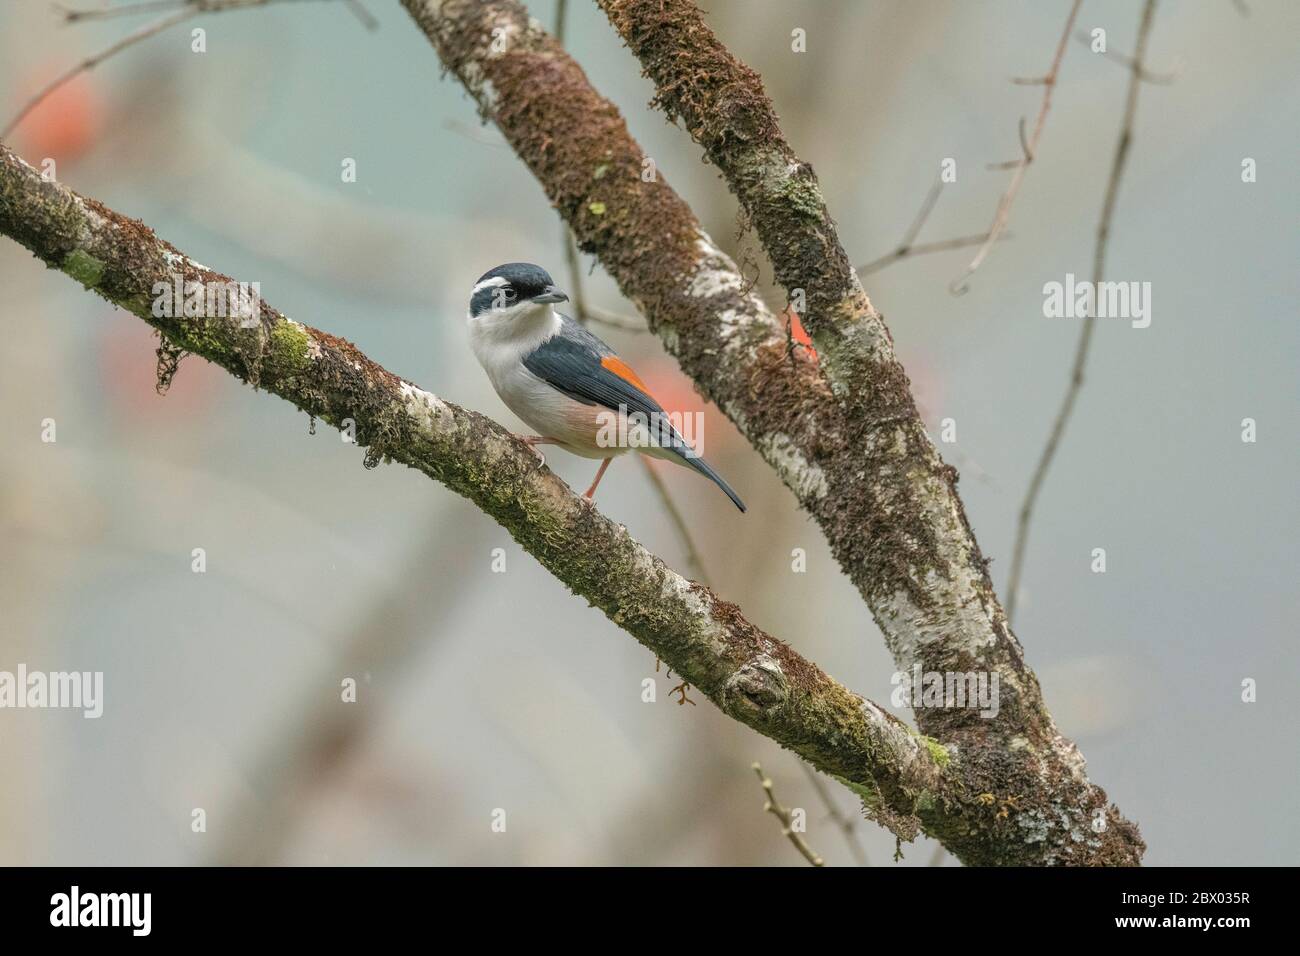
586 369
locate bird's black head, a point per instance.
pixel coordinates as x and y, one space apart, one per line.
513 284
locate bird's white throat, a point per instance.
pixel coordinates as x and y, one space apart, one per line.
509 334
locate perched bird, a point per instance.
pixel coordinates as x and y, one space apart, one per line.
563 381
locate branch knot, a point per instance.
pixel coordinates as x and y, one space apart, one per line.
758 687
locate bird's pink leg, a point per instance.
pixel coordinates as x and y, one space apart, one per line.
599 474
532 441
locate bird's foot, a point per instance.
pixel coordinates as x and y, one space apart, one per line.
532 441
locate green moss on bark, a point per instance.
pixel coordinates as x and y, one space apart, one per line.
83 267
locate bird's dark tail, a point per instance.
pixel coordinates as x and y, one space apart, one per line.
687 456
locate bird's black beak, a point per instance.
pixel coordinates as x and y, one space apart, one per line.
552 294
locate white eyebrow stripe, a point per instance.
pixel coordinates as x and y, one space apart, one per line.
491 283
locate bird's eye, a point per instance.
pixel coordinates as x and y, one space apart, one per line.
503 297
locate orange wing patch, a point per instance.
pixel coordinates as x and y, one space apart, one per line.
613 363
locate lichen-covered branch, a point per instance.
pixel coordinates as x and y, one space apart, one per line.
946 616
750 675
900 531
842 433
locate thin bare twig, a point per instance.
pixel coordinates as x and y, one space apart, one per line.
1085 336
475 133
908 246
361 13
615 320
848 825
73 15
1030 147
1160 79
185 10
1024 143
786 818
927 207
577 297
126 10
925 248
90 62
1026 154
584 311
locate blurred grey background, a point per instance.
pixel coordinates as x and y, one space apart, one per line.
479 690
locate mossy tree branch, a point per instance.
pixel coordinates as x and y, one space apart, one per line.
929 565
750 675
843 433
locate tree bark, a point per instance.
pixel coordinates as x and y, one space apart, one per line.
843 431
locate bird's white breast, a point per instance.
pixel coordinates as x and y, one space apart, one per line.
500 339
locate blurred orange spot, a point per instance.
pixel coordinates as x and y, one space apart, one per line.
66 122
128 364
670 388
675 393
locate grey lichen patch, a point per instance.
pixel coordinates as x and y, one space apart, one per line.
806 479
83 267
1034 827
427 410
